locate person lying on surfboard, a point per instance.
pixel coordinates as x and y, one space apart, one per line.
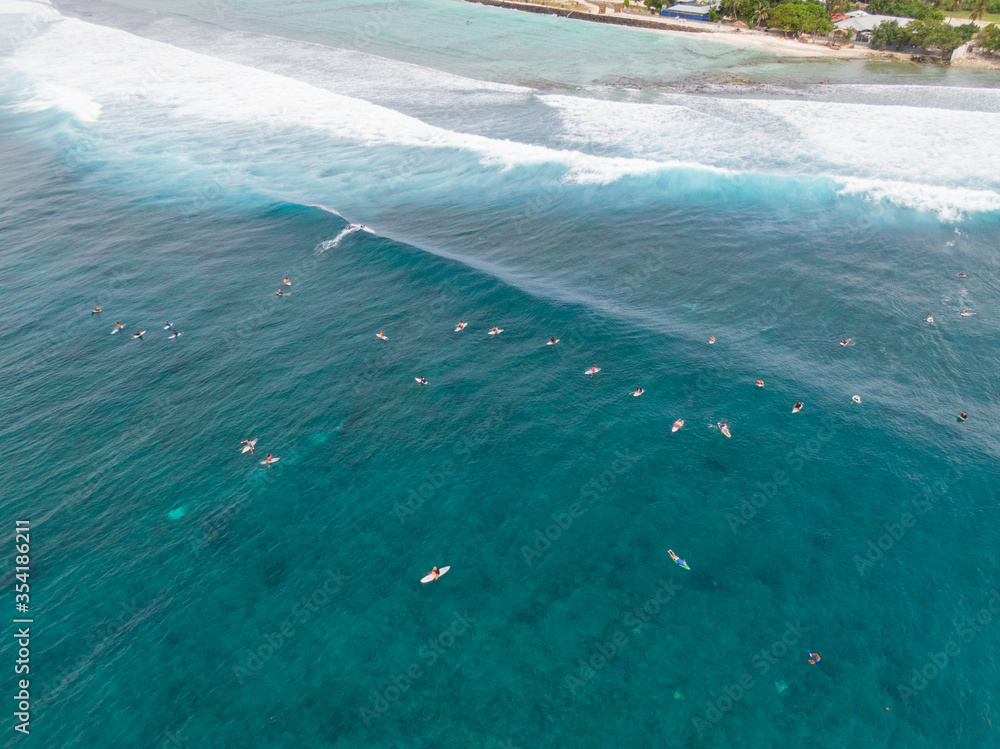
845 342
552 342
95 311
681 562
287 281
963 416
814 658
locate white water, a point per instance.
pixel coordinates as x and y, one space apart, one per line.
910 155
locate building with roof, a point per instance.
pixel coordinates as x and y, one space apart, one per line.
688 11
863 22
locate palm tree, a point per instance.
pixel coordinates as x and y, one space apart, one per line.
760 12
978 10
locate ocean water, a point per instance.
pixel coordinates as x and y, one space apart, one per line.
629 193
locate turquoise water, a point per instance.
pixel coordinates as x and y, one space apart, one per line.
178 166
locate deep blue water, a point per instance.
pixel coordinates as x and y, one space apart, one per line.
178 166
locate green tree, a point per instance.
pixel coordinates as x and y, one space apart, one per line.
760 11
989 38
654 6
888 34
809 16
977 10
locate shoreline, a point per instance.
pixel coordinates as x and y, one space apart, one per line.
731 35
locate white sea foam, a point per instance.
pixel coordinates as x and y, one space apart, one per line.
112 68
36 10
51 96
912 156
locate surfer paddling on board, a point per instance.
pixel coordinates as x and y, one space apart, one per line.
461 326
682 562
760 383
961 275
434 574
95 311
637 392
814 658
963 416
248 445
279 292
846 342
138 334
711 339
552 342
421 380
966 313
495 330
286 281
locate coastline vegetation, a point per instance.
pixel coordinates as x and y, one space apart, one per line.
927 34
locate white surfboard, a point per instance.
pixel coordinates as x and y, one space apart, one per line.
592 371
677 425
796 409
421 380
552 343
460 326
429 577
115 330
637 393
273 460
140 334
724 428
382 336
856 398
498 331
248 448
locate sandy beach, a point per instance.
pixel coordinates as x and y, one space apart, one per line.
726 34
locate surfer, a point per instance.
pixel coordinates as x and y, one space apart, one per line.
279 292
797 407
814 658
961 275
711 339
966 313
677 425
760 383
118 326
678 560
552 342
95 311
963 416
495 330
929 318
436 572
268 460
249 445
856 399
461 326
592 370
421 380
286 281
167 326
637 392
175 334
138 334
382 336
724 428
845 342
